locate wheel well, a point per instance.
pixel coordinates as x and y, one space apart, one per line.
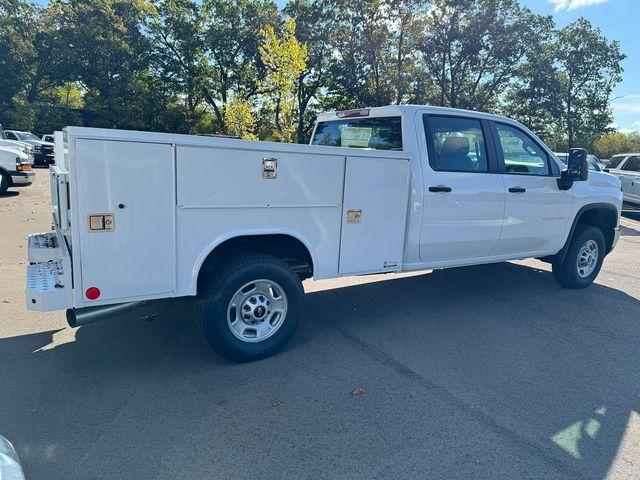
605 219
8 175
285 247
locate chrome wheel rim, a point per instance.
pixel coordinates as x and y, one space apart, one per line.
587 258
257 310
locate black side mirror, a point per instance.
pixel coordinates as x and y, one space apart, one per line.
577 169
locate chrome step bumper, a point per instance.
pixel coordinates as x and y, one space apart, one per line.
42 247
49 283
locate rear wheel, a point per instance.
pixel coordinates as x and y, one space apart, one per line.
5 181
583 260
249 308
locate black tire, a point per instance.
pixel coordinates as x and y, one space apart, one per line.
566 273
5 182
220 287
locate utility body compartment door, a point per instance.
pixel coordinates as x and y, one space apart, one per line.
374 214
126 193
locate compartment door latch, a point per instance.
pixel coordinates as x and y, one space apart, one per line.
270 168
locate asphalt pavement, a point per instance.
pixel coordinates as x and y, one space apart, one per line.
471 373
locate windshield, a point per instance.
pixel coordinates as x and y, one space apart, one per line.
382 133
26 136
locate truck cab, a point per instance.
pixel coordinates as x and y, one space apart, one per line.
143 216
484 187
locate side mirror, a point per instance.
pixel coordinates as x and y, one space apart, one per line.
577 169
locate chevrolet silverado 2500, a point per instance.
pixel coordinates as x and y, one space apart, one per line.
238 224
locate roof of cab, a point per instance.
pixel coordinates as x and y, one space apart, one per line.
403 110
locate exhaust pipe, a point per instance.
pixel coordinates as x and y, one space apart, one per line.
77 317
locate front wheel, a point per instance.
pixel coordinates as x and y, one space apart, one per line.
249 308
583 260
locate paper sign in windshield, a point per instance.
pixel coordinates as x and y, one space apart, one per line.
355 136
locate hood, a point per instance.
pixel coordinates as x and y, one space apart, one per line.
15 152
14 144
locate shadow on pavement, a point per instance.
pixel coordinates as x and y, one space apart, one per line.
482 372
9 193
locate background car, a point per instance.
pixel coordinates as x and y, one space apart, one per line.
43 151
626 167
592 161
23 146
15 169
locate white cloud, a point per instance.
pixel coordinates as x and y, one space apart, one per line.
627 104
574 4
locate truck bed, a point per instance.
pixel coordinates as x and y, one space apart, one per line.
146 209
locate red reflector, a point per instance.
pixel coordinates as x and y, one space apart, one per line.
92 293
361 112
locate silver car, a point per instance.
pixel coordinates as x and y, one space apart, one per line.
626 167
10 468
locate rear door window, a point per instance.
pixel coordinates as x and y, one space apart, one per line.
381 133
456 144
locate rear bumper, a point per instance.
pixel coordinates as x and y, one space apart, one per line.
49 280
23 178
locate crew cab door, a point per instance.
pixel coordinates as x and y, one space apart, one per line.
464 195
536 210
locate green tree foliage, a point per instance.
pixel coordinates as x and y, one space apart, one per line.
589 69
284 59
617 142
246 68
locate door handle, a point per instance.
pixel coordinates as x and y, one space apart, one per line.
517 190
440 189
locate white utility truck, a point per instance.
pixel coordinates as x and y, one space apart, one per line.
143 216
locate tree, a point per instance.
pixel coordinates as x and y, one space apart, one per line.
284 58
314 27
17 29
239 120
362 64
589 69
533 96
472 49
617 142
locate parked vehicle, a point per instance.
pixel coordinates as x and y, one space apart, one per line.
43 151
47 138
10 467
593 163
15 168
141 216
23 146
627 168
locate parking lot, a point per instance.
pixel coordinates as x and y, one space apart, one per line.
482 372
